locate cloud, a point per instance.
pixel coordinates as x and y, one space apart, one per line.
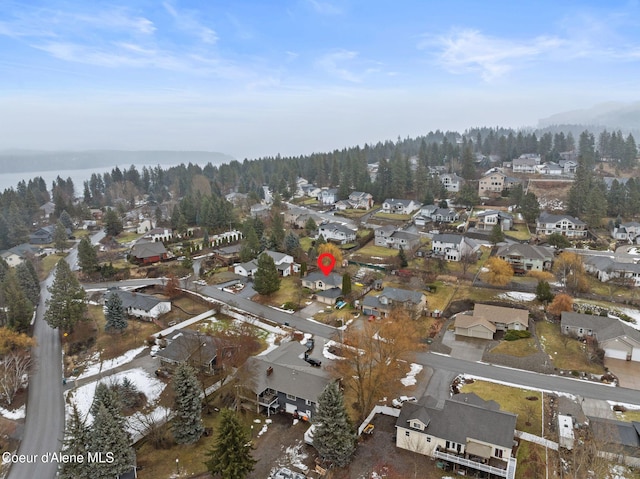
471 51
325 8
333 64
187 21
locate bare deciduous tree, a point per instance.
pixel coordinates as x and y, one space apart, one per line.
14 370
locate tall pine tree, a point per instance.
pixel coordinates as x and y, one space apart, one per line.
230 457
75 443
115 314
108 435
334 437
87 255
266 280
187 424
67 303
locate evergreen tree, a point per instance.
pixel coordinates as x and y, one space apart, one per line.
310 225
496 236
18 308
87 256
276 238
250 244
60 236
334 437
108 398
346 284
28 280
291 243
115 314
468 168
75 443
530 207
543 292
266 279
108 434
230 457
66 220
402 256
66 306
558 240
187 424
112 223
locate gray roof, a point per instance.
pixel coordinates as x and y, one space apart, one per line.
603 327
448 238
291 374
501 214
249 265
393 201
474 399
334 279
190 345
147 250
332 293
131 299
406 235
526 251
458 421
551 218
276 256
618 433
337 227
402 295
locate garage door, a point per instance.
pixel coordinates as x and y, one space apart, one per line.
635 356
290 408
615 354
480 333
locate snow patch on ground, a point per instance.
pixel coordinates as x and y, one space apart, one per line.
96 367
633 314
634 407
517 296
83 396
264 429
295 456
306 337
14 414
410 378
327 354
271 344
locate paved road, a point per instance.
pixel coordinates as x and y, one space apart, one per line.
528 379
44 425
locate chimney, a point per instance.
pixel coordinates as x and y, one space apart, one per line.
269 371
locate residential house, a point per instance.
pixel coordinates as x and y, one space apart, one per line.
45 235
329 296
487 319
453 247
526 163
282 380
144 226
568 166
342 205
495 182
471 434
524 257
629 232
301 221
616 338
618 441
285 265
609 180
140 305
18 254
197 349
312 191
381 235
607 268
360 200
399 207
247 269
451 182
145 252
550 168
433 213
403 239
563 224
317 281
259 210
236 199
328 196
489 218
413 302
159 234
337 233
227 254
47 209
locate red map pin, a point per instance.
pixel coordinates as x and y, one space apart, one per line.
326 262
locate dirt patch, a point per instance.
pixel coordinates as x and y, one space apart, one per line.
552 195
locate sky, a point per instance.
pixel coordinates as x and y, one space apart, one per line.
258 78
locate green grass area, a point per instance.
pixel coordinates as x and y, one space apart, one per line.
512 400
379 251
127 237
519 348
531 460
81 233
48 263
520 233
289 291
309 202
350 213
630 415
305 243
570 357
392 216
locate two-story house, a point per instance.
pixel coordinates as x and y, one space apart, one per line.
451 182
197 349
382 234
45 235
147 251
629 232
495 182
524 257
328 196
283 380
462 430
489 218
360 200
412 302
399 207
526 163
453 247
285 265
563 224
337 233
433 213
158 234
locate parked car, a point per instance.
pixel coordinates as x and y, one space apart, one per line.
398 402
314 362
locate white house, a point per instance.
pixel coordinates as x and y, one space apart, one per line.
399 207
453 247
159 234
360 200
565 225
627 232
489 218
328 196
140 305
526 163
337 233
144 226
451 182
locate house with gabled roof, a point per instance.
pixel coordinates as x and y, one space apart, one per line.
146 252
489 218
524 257
526 163
140 305
360 200
45 235
197 349
495 182
629 231
328 196
487 319
617 339
159 234
413 302
337 233
451 182
318 281
18 254
282 380
453 247
606 268
435 214
617 440
563 224
399 206
285 265
471 434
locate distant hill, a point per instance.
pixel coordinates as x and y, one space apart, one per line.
612 116
18 161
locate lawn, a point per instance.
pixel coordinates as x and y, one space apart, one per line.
512 400
353 214
377 251
531 460
570 357
289 291
520 233
392 216
630 415
127 237
48 263
305 243
519 348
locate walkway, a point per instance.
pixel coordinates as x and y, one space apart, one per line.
525 436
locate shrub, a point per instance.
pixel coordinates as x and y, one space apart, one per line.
290 305
514 335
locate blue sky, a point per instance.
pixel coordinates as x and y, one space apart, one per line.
254 78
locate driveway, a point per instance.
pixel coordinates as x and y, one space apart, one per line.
470 349
628 372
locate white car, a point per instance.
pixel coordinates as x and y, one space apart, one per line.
398 402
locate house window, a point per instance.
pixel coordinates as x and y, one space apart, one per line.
428 439
289 396
416 425
407 433
307 402
498 453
